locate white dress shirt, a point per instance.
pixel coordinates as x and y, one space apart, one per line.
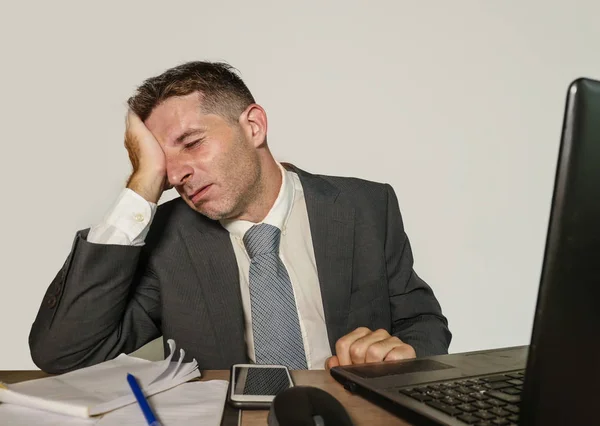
128 222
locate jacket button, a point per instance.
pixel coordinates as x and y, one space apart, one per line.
51 301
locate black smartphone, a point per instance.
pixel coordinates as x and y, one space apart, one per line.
256 385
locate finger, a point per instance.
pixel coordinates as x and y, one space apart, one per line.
131 118
331 362
358 350
130 135
342 346
135 127
403 351
377 351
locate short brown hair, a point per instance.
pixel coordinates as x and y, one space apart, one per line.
222 90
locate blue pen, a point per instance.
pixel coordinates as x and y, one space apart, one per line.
143 403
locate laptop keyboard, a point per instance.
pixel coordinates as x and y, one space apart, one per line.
492 400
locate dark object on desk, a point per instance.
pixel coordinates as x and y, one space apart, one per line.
562 369
307 406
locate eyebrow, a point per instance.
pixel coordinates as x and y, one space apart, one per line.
188 133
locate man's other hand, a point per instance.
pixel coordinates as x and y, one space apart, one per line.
363 346
147 158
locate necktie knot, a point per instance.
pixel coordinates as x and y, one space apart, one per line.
262 239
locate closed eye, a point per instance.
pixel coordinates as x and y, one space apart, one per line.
192 144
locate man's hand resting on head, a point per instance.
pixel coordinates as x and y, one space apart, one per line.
363 346
149 176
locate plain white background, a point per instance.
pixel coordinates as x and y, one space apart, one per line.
458 105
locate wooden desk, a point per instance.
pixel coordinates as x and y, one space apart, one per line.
361 411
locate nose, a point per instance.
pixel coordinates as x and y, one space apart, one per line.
178 173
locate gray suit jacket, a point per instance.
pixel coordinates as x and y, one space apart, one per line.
184 284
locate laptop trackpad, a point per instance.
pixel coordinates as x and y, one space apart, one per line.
444 367
371 371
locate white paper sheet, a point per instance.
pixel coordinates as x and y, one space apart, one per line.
100 388
195 403
17 415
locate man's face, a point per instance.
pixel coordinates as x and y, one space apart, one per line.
211 162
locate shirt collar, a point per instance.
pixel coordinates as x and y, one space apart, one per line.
277 216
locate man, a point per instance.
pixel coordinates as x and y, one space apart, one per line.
254 262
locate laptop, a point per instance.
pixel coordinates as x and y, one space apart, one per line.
555 380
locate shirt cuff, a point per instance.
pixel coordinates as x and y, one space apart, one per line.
127 222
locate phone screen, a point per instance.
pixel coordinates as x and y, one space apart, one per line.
255 380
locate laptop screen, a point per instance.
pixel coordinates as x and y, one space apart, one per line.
563 367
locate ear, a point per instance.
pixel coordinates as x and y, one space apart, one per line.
254 123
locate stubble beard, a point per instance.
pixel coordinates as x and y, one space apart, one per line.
242 191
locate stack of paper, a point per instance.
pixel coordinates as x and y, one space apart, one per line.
101 388
195 403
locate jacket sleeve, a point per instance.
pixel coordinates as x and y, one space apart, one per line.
417 317
103 302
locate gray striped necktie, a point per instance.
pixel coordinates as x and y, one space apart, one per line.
275 324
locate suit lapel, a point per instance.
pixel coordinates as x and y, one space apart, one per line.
212 255
332 229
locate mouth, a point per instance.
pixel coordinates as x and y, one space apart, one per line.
197 196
